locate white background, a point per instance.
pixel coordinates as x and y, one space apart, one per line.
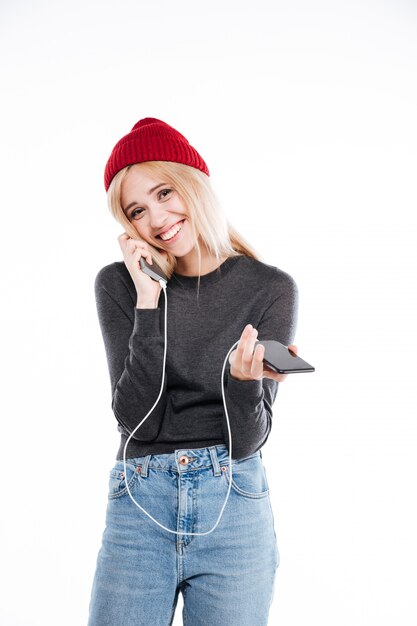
305 113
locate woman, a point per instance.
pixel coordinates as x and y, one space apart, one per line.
219 293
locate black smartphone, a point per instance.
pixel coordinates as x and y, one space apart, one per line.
154 271
280 358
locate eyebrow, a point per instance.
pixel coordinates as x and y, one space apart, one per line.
149 193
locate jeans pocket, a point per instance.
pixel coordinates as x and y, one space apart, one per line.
119 483
248 477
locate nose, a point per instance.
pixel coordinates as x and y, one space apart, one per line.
158 218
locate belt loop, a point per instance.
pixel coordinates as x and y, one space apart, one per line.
144 470
215 461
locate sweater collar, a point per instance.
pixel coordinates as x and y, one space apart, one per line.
190 282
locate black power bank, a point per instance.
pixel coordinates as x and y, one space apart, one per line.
280 358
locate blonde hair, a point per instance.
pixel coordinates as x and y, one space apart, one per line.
206 217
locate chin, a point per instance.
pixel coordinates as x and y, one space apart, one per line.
183 252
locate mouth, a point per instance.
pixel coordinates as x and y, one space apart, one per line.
173 233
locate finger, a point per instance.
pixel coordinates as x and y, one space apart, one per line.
247 356
122 240
274 375
139 252
242 343
257 361
293 349
137 243
134 245
247 359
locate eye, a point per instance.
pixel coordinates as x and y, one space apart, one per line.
136 214
164 193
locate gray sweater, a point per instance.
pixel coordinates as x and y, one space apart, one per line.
190 412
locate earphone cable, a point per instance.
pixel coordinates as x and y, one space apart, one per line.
163 285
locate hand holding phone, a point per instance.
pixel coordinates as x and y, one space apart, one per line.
250 362
135 252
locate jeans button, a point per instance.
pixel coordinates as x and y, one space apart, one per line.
184 460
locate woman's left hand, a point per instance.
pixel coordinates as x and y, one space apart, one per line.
247 364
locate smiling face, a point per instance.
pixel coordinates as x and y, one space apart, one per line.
157 212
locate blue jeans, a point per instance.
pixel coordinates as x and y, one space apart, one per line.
226 577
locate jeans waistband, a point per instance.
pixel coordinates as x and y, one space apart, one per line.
186 459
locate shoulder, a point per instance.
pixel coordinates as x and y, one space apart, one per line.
115 279
112 272
262 274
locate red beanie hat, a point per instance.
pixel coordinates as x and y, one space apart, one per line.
151 140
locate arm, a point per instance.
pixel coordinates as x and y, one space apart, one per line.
134 348
249 402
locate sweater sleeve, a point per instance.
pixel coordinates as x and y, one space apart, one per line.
249 402
134 347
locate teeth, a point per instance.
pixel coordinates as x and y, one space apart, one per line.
173 231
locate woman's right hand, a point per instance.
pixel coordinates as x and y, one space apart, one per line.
147 289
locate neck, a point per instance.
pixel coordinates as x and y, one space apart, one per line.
188 264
